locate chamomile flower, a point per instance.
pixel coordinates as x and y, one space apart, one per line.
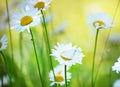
59 76
116 83
67 54
40 4
116 66
3 42
100 21
25 18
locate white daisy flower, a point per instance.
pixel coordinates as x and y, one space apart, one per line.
116 66
3 42
100 20
116 83
67 54
25 18
40 4
59 76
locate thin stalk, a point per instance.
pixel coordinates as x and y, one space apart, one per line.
94 57
36 58
21 50
47 42
4 58
98 70
65 75
10 34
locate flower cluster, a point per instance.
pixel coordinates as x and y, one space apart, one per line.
66 55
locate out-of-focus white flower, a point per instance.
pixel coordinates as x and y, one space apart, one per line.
59 76
25 18
100 21
48 18
67 54
0 83
116 83
60 29
114 38
5 80
3 42
116 66
4 21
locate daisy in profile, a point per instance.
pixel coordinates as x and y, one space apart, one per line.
25 18
3 42
67 54
116 83
100 21
40 4
116 66
59 76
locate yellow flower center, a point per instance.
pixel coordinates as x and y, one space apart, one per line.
59 78
26 20
65 58
0 44
100 23
40 5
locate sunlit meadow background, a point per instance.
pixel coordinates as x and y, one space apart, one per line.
74 14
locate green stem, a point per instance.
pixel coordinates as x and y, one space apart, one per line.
94 57
66 75
47 42
10 34
58 85
21 50
36 58
97 71
4 58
